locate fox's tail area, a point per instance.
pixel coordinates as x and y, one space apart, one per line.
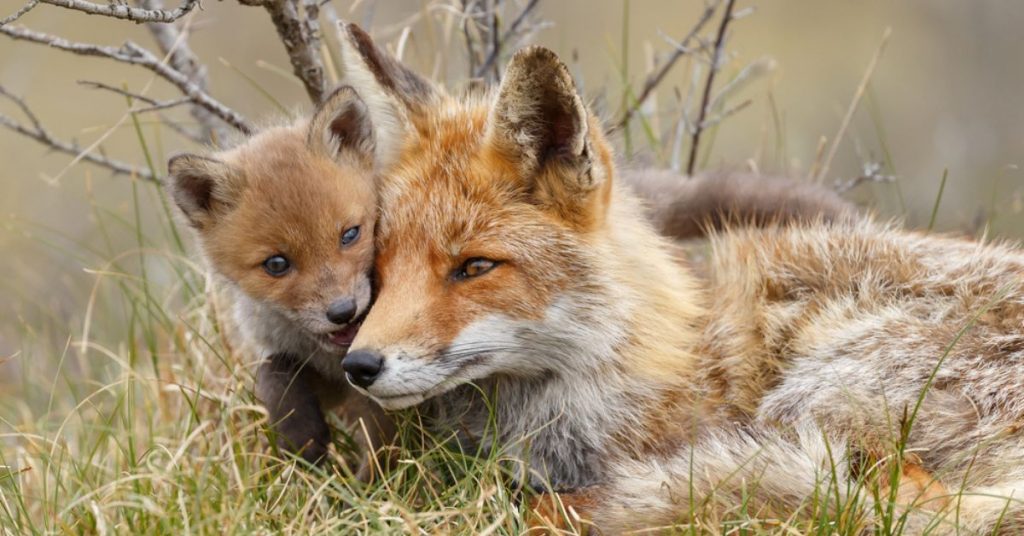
689 207
995 509
767 482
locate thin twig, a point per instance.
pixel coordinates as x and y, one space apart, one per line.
712 121
120 10
173 43
23 106
299 32
162 105
472 54
655 78
133 54
716 57
123 92
872 172
182 131
492 57
18 14
41 135
496 42
152 104
857 95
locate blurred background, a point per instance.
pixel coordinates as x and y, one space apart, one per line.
946 97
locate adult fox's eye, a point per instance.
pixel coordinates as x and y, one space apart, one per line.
475 267
277 265
350 235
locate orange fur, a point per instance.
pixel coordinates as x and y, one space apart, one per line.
297 202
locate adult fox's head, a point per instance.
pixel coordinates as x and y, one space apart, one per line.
497 253
288 217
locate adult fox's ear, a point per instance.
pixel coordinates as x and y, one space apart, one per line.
199 187
540 124
389 89
364 59
342 124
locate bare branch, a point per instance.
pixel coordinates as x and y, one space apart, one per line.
182 131
123 92
492 57
18 14
712 121
297 23
871 172
656 77
24 107
173 44
469 12
40 134
496 41
153 104
162 105
716 58
123 11
133 54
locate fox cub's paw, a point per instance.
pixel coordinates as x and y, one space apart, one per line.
293 408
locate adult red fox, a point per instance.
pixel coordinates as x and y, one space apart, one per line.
285 221
513 265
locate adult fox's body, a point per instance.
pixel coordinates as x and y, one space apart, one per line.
510 258
843 331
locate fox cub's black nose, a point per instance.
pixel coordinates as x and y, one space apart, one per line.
342 311
362 367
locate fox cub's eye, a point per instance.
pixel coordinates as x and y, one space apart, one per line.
350 235
277 265
475 267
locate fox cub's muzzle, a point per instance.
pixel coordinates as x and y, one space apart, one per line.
342 311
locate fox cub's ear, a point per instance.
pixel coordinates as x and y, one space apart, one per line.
342 123
540 123
197 185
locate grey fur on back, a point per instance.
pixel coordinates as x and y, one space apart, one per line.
687 207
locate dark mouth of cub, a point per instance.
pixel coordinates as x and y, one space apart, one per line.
345 335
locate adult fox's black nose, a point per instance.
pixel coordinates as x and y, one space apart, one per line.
341 311
362 367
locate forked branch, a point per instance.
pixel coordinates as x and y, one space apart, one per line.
173 45
682 48
37 132
486 41
133 54
298 26
716 64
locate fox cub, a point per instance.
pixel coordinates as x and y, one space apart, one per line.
512 263
285 221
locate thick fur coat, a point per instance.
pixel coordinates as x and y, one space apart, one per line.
524 299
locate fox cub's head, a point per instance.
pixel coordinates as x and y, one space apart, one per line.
491 222
289 216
